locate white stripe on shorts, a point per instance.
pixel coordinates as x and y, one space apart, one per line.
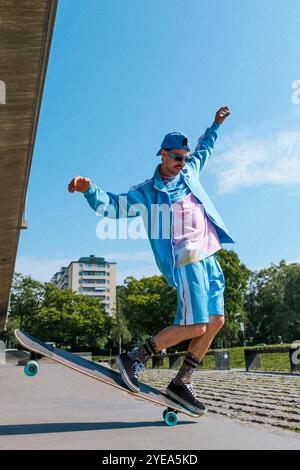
188 320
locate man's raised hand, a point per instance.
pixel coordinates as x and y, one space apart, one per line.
80 184
222 114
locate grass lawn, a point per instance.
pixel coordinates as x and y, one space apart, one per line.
269 362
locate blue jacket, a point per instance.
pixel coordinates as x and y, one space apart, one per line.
147 198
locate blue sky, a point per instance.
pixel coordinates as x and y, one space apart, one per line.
123 73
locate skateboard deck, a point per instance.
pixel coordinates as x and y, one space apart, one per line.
101 373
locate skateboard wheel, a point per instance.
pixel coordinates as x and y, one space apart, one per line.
167 411
170 418
31 368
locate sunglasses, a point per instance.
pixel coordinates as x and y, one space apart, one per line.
179 158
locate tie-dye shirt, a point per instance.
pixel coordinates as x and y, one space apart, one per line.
194 236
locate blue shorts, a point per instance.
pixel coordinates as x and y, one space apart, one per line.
200 291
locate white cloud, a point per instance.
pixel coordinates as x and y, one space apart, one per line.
248 161
142 264
145 256
276 262
138 272
42 269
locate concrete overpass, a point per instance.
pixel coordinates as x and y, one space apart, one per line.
26 29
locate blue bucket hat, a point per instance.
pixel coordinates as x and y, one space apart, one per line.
174 140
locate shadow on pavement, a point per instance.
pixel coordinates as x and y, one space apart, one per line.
44 428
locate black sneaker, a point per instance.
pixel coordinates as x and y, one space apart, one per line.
185 394
130 370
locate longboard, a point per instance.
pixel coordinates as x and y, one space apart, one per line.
99 372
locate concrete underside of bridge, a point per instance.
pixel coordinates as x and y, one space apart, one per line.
26 29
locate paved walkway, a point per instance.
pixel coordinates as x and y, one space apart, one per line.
61 409
267 399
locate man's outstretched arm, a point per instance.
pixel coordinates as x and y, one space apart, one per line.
108 204
206 142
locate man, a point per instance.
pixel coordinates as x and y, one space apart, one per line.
186 256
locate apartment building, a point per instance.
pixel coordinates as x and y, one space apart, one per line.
90 276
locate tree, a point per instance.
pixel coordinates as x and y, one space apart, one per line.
273 303
236 280
26 298
120 334
61 316
292 303
149 305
